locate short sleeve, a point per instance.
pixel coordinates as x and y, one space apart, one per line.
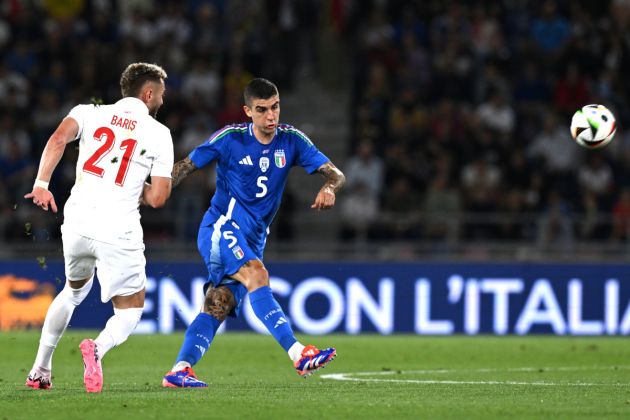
209 150
78 113
163 163
308 155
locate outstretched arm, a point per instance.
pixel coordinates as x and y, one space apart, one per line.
334 181
182 169
56 145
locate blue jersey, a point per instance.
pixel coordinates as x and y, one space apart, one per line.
251 176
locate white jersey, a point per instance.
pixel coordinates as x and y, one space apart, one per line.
120 145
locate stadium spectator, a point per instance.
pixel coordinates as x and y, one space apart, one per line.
12 135
590 225
513 224
365 168
555 225
621 216
531 88
364 184
571 92
232 111
16 168
401 203
550 31
497 114
45 115
441 209
480 180
359 210
22 59
491 82
595 178
140 28
552 150
14 88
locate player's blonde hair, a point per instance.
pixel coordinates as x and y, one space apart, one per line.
137 74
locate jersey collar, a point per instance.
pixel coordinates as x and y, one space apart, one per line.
250 130
133 104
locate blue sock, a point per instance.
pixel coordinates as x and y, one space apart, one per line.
198 337
269 312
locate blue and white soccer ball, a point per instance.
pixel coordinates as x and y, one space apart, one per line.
593 126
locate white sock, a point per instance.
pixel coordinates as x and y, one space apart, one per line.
39 372
180 366
117 329
295 351
57 319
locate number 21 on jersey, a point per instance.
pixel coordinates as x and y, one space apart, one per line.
107 137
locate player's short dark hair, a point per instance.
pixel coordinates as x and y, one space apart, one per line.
137 74
259 88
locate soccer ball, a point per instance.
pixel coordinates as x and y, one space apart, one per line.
593 126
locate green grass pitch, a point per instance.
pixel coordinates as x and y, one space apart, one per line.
401 376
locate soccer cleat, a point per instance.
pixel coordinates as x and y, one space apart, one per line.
93 373
184 378
314 359
38 380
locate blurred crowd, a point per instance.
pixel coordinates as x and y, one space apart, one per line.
56 54
460 109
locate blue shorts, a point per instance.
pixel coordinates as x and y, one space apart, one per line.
224 249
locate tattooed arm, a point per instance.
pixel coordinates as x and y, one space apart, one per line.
182 169
334 181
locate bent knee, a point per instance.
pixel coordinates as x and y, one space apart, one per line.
257 275
219 302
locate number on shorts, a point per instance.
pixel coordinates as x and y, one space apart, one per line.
229 236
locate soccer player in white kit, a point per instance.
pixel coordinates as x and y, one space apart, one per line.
120 146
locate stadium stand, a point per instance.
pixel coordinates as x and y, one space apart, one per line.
465 106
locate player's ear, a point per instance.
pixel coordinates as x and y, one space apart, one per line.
247 110
147 94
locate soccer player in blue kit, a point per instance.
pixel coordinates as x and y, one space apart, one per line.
253 162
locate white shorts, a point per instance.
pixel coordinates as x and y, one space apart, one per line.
120 272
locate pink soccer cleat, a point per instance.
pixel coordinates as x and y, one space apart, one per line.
93 374
38 380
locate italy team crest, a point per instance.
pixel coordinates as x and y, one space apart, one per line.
280 158
264 164
238 252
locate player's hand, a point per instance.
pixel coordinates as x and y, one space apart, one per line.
325 199
141 200
42 198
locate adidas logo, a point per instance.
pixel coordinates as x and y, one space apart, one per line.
246 161
280 321
310 352
201 349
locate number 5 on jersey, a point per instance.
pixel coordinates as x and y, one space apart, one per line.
262 186
106 135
